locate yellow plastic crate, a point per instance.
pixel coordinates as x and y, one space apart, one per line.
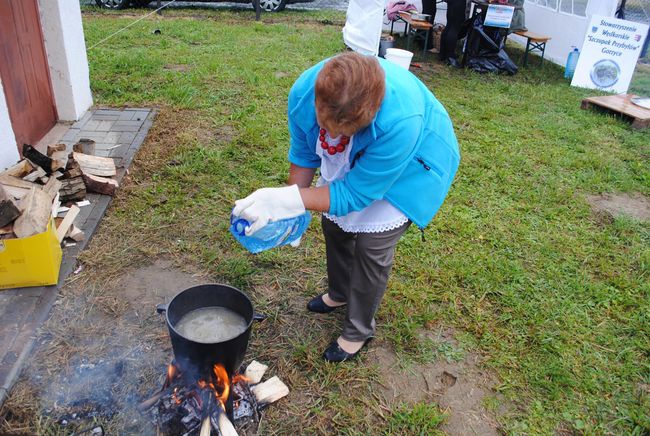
31 261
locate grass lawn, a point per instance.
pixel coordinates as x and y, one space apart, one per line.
553 298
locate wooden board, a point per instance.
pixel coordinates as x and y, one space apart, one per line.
36 211
67 222
35 175
416 24
95 165
19 170
622 105
535 37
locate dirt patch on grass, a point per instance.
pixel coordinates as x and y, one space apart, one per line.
225 133
633 205
157 283
460 388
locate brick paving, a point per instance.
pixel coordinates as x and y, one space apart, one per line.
118 134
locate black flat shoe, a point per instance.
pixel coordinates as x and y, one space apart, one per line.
317 305
334 353
453 62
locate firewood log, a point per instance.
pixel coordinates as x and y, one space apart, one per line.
100 185
35 175
61 157
68 221
36 210
52 187
270 391
51 149
16 187
85 146
75 233
73 187
225 426
20 170
255 371
8 209
95 165
48 164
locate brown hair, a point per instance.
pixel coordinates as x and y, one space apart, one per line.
349 91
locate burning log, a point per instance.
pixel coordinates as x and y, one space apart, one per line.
215 404
270 391
226 428
150 402
206 412
255 371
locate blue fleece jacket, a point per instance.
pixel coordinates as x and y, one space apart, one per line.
408 155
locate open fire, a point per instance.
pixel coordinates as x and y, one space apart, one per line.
213 404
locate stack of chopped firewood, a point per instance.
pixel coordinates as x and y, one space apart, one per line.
52 185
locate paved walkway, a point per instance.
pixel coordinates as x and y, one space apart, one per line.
118 134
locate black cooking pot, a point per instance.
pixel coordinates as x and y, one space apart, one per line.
199 356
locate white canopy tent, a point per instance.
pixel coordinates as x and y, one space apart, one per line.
565 21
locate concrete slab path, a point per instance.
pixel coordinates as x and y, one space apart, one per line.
118 134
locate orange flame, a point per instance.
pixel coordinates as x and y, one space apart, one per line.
240 377
175 396
172 373
222 382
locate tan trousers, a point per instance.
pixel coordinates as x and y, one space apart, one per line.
358 266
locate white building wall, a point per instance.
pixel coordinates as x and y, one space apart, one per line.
66 55
565 30
8 149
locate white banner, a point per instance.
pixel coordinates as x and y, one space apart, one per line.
609 54
499 16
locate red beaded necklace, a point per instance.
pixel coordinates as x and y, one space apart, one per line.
333 149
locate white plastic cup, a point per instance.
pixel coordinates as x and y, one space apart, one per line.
399 57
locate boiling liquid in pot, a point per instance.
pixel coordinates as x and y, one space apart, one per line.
211 324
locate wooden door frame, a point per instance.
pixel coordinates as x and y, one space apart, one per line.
47 75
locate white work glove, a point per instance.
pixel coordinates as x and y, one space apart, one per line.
269 204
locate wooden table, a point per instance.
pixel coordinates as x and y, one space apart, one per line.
413 29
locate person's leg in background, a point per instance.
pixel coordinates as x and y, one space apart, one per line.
429 8
449 37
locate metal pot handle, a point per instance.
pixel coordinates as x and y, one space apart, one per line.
162 307
259 316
